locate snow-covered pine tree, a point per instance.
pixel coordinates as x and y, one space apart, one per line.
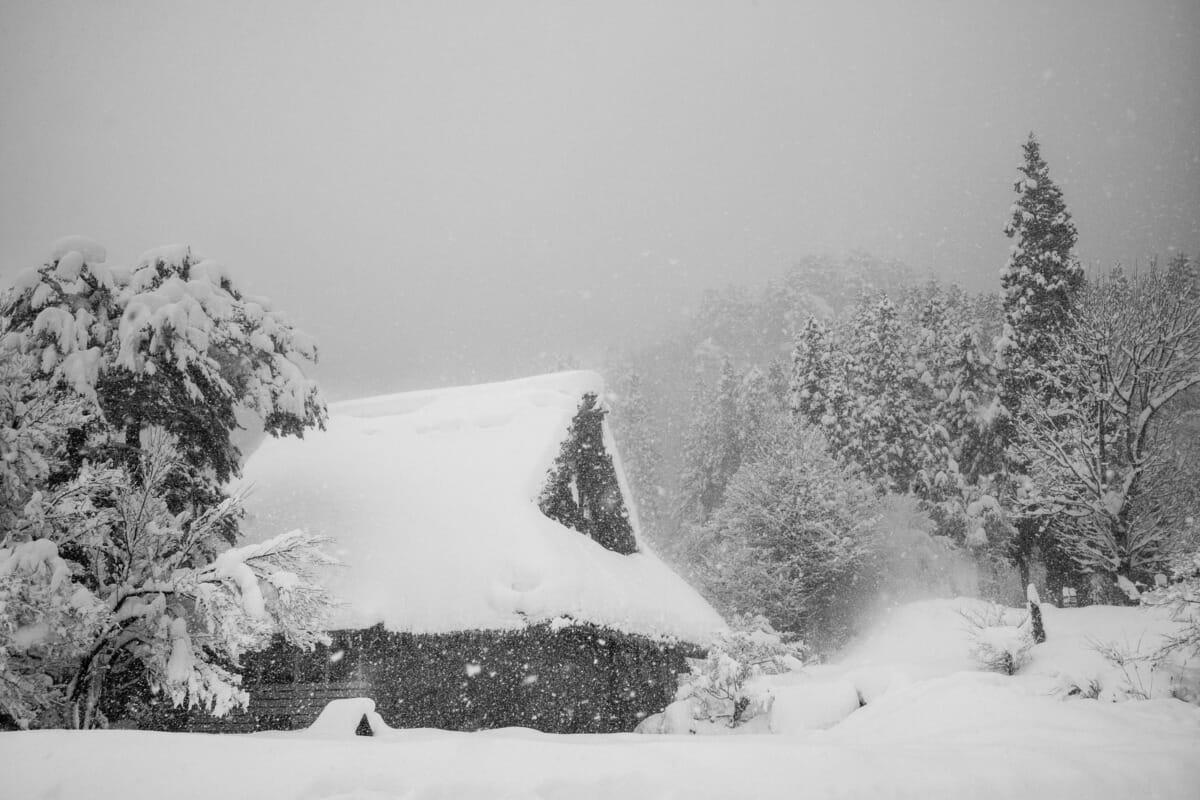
928 312
814 375
882 423
637 437
1039 283
581 490
1042 275
793 537
171 343
756 405
113 546
712 447
98 577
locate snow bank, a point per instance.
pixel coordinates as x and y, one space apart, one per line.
959 737
950 732
431 500
802 705
931 640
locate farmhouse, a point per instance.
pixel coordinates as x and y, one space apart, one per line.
492 573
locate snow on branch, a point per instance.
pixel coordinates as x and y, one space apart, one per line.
1098 453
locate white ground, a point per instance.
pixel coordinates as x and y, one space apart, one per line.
932 728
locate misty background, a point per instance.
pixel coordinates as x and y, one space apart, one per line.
454 192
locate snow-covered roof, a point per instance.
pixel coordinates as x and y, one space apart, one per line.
431 499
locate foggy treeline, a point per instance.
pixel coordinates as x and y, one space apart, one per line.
855 433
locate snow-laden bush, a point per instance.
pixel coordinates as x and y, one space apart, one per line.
724 687
99 574
1000 637
46 625
793 538
1180 593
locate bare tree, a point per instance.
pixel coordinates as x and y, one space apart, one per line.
1103 468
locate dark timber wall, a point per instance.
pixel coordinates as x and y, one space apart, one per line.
578 679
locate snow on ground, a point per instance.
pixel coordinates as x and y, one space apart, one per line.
933 728
431 500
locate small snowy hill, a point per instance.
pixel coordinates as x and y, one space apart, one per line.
430 498
933 727
918 647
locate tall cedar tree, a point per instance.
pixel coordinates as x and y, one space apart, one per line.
1039 282
1042 275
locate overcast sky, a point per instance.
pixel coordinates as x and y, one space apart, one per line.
439 190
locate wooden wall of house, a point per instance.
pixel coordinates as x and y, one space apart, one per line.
578 679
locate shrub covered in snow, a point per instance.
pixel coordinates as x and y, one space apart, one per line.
724 686
101 579
793 538
1000 637
1180 593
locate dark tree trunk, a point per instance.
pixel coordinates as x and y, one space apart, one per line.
133 449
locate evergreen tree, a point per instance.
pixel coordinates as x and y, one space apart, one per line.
108 563
637 437
1039 283
756 405
1042 275
581 490
882 421
712 447
793 537
812 373
170 344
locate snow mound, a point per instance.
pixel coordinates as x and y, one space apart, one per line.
812 705
341 718
932 641
430 498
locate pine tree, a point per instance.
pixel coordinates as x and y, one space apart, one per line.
173 344
637 438
1039 282
793 536
880 428
582 491
712 447
118 398
100 577
812 373
1042 275
756 405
